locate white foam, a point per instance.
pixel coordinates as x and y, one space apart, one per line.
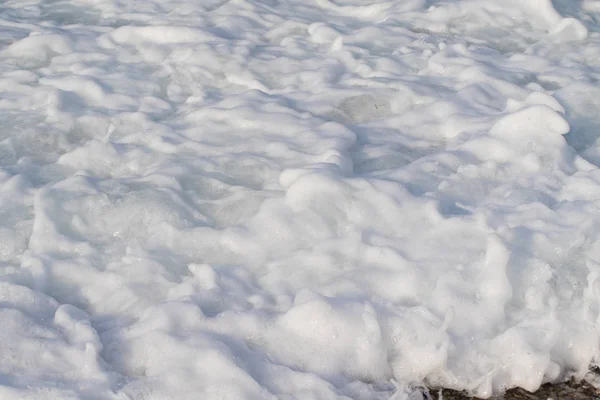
297 200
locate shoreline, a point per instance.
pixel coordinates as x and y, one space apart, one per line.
570 390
